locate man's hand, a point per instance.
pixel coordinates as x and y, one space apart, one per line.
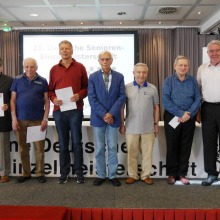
43 125
5 107
57 102
108 118
15 125
122 129
185 117
75 98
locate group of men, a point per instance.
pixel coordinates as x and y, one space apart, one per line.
132 109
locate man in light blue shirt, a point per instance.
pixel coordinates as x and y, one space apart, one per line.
181 98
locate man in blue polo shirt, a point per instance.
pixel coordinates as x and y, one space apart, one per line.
30 107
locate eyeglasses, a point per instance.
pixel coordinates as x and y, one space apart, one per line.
214 51
105 59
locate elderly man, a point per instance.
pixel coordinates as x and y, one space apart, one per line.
181 100
5 125
106 93
69 73
30 107
208 77
142 117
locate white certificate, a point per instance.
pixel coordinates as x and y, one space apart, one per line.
65 95
35 134
2 113
174 122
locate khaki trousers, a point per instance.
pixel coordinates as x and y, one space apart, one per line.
142 143
24 149
4 153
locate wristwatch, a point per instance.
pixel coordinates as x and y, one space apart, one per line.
45 119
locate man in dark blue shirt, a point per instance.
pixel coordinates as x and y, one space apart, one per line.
30 107
181 100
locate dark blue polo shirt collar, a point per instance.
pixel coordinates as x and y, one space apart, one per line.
135 84
33 78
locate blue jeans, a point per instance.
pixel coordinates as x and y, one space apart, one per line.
102 136
70 122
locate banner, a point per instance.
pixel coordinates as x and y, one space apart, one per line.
196 166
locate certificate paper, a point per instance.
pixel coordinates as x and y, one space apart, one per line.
2 113
65 95
174 122
35 134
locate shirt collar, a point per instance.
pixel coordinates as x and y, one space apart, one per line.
136 84
33 78
110 71
209 65
61 64
176 76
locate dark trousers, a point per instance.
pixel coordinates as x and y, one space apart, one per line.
69 124
179 144
210 115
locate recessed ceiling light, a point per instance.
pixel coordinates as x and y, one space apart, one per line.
33 14
81 23
121 13
159 22
120 23
199 12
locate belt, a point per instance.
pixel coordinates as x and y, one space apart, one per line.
212 103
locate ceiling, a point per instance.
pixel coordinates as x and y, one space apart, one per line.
110 13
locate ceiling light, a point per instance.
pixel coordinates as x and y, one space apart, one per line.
199 12
81 23
120 22
33 15
167 10
159 22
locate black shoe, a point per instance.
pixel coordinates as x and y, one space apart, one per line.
210 180
80 179
63 179
98 181
115 182
22 179
41 179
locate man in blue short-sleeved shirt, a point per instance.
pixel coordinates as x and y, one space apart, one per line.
30 107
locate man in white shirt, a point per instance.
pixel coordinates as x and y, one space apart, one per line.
208 77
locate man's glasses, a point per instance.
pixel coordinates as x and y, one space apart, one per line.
214 51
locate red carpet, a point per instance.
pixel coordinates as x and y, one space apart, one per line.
145 214
63 213
34 212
